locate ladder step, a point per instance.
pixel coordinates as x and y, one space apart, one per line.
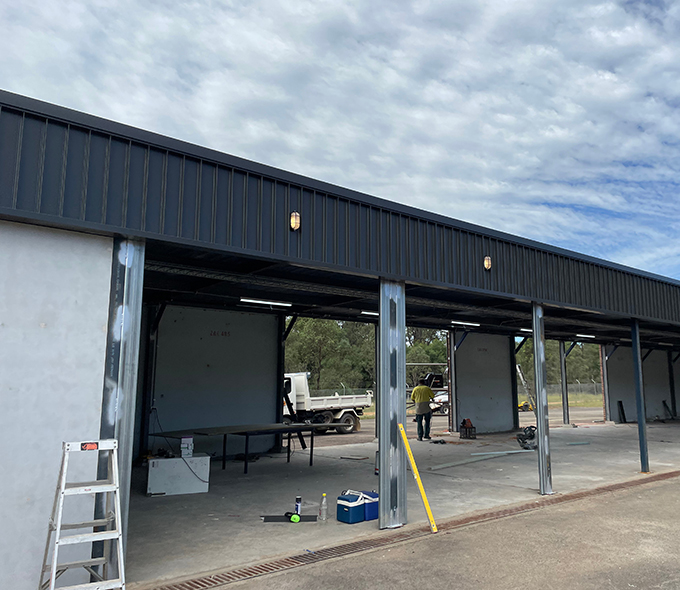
89 487
89 537
73 564
86 525
105 585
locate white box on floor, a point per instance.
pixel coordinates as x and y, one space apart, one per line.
179 475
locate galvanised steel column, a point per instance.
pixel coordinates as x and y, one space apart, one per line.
640 396
542 423
565 387
376 397
122 359
453 398
604 378
392 404
671 384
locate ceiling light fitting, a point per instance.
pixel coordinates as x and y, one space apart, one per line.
265 302
465 324
370 313
584 336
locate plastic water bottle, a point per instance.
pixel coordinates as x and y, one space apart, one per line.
298 504
323 508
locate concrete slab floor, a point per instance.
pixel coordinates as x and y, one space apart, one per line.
178 536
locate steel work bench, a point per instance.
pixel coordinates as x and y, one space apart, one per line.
247 430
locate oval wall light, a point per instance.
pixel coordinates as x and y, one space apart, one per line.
295 221
487 262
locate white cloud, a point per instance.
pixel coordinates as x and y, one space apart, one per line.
556 121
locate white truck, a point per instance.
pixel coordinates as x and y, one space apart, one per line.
338 411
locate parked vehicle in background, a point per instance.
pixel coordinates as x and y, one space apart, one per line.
440 403
341 412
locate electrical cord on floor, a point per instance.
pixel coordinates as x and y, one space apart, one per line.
198 477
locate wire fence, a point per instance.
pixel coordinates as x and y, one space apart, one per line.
577 388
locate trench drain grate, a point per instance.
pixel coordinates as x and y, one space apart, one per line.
287 563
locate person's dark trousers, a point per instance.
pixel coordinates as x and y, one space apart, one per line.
419 418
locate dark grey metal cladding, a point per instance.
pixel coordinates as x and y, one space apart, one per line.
68 169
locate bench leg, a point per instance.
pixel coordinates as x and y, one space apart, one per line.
245 463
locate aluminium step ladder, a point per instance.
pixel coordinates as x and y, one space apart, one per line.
105 529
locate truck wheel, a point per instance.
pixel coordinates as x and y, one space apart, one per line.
350 423
323 418
286 420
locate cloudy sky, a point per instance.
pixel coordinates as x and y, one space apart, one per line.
558 121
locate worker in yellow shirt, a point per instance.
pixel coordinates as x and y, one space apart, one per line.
422 395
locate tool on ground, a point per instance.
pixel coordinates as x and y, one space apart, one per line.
416 475
527 438
298 504
107 529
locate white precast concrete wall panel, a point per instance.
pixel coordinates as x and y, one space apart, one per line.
622 383
216 368
657 384
676 374
54 295
484 382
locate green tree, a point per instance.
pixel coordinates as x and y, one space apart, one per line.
313 346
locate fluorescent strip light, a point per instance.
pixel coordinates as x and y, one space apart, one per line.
584 336
625 339
465 324
665 344
370 313
526 330
263 302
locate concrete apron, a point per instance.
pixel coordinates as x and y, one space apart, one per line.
180 536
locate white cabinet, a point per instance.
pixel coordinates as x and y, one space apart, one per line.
179 475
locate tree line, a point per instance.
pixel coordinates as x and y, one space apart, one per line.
343 354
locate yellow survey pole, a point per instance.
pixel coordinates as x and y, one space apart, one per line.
416 475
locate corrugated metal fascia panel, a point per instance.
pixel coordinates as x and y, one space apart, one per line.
74 175
166 144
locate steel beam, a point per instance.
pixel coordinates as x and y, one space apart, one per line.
640 396
671 384
604 377
513 382
462 339
542 423
563 380
613 351
453 397
121 367
392 405
521 344
288 328
566 354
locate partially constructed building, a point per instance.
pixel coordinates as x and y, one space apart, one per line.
116 240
